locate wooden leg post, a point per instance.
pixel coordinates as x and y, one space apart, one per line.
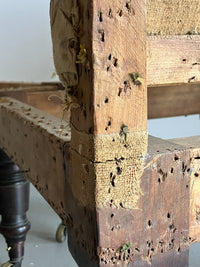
100 56
14 202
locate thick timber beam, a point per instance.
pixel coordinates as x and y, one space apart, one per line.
157 232
173 60
35 142
107 40
48 97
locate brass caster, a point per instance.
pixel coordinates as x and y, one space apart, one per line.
61 233
7 264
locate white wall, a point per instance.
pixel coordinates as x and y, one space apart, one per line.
25 41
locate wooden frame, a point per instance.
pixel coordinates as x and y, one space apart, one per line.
137 198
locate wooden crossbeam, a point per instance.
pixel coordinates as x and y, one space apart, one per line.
166 220
173 100
173 60
36 141
48 97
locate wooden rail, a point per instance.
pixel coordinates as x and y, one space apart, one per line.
168 210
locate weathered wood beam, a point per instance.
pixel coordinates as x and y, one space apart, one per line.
112 96
163 101
193 143
173 100
173 60
45 96
31 86
166 219
36 141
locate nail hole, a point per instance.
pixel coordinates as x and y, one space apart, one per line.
110 13
119 171
115 62
176 158
100 16
120 13
113 180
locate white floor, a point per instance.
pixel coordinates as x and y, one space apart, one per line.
41 248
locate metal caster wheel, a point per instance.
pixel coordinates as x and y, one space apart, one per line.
61 233
7 264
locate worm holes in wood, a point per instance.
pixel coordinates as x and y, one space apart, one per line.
149 223
112 180
115 63
108 125
120 12
102 35
110 57
168 215
119 171
176 158
106 100
100 16
110 13
129 8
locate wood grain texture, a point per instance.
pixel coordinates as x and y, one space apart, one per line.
48 97
159 230
173 60
173 17
35 141
194 170
106 91
173 100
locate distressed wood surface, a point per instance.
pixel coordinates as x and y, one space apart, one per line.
109 101
48 97
35 141
159 230
173 60
194 170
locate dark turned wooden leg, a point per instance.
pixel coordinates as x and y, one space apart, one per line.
14 203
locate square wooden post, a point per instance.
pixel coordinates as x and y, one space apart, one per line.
100 55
